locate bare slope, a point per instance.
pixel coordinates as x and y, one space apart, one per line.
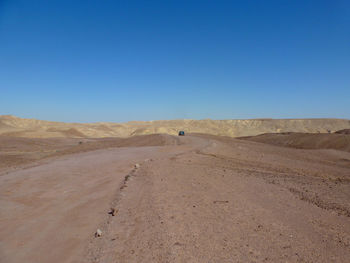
19 127
345 131
305 140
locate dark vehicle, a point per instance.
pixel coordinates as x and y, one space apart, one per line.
181 133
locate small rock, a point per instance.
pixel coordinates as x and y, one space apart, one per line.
113 211
98 233
137 166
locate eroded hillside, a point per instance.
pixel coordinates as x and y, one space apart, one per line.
20 127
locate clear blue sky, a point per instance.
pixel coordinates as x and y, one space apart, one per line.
88 61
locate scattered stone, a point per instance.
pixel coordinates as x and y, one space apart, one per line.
127 177
98 233
113 211
137 166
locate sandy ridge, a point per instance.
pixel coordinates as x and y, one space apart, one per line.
20 127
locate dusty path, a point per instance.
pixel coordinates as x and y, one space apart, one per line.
207 200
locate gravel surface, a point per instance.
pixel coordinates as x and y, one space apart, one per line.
197 199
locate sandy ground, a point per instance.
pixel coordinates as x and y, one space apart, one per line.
196 199
338 141
18 153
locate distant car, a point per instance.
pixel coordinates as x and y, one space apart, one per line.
181 133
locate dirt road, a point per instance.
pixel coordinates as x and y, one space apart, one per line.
204 199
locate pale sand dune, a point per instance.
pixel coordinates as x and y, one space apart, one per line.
32 128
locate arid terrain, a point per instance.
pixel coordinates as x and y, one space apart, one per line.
196 198
337 141
32 128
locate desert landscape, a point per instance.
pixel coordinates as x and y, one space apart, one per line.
228 191
174 131
31 128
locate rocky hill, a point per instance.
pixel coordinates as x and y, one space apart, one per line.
32 128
